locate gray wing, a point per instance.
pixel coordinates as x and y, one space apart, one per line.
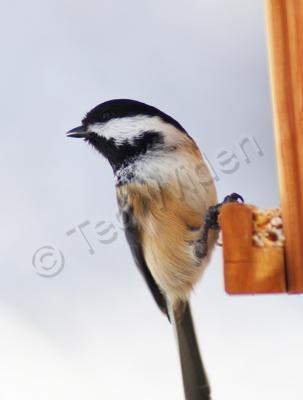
132 236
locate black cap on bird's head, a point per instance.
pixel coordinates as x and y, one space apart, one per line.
123 130
120 108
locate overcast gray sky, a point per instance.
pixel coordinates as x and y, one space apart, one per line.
92 332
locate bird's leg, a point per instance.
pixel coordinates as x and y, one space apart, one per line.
211 222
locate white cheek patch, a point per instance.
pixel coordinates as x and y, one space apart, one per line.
130 128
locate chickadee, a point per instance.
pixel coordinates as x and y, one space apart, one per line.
164 189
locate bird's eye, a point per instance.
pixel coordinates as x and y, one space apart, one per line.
106 115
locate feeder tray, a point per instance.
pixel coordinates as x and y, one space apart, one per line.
250 265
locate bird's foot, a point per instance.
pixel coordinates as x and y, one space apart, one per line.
233 198
211 222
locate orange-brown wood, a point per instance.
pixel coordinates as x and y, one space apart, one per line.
285 40
248 269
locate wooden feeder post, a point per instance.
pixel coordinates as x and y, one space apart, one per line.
285 42
247 268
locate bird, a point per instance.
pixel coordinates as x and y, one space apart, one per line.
164 189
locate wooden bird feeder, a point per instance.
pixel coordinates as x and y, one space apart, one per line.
250 269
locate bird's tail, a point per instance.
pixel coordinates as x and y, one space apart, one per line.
196 386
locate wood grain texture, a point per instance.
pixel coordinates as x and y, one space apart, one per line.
285 41
248 269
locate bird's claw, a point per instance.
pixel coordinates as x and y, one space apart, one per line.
211 221
212 214
233 198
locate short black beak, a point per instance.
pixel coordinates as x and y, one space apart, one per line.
78 132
